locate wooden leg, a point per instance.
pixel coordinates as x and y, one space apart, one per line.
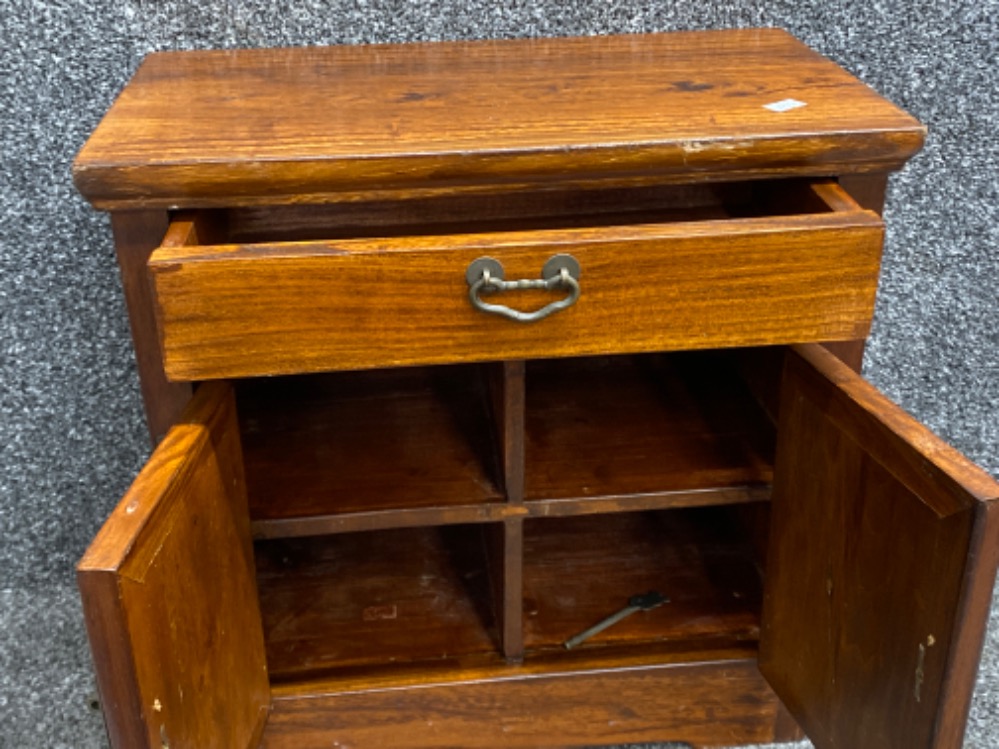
136 235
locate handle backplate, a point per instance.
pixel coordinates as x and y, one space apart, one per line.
485 276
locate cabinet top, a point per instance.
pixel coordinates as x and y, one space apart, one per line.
339 123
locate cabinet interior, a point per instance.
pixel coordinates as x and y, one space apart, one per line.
475 517
460 518
553 208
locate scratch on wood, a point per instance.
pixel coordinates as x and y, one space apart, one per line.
919 672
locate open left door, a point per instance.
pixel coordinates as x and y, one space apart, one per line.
883 552
170 599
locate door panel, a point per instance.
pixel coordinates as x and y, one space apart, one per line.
169 594
882 557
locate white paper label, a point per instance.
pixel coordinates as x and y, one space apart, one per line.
784 105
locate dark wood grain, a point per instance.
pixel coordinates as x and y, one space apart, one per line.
708 699
325 204
785 727
869 190
362 444
136 235
505 547
240 310
299 526
506 383
850 353
169 594
375 600
484 212
683 427
411 447
880 568
295 125
577 571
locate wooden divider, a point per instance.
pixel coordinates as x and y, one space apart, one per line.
505 541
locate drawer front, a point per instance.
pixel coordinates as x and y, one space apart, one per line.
259 309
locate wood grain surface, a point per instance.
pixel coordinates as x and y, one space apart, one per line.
366 444
350 451
708 699
292 125
136 235
882 557
375 601
242 310
170 598
577 571
505 547
617 427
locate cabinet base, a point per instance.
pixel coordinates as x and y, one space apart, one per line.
703 704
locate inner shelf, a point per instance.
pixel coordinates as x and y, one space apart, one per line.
643 432
377 607
356 602
344 452
353 450
579 570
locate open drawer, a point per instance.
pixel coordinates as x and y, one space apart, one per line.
866 616
651 269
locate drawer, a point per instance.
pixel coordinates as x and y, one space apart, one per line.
753 264
876 579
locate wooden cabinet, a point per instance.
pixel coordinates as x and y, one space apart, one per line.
394 495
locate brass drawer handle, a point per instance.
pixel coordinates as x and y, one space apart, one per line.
485 276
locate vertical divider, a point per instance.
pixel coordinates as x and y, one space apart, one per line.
506 385
505 545
505 541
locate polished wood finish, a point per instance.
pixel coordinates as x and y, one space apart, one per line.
367 603
869 190
505 546
850 353
881 564
411 447
785 727
558 207
507 390
428 536
136 235
705 698
577 571
319 124
624 429
241 310
375 601
180 653
325 453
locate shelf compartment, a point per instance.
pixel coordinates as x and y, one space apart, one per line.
363 450
606 434
579 570
360 602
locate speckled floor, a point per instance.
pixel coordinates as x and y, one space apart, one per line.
71 434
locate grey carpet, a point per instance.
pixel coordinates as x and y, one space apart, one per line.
71 433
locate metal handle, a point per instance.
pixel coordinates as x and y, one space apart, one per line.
485 276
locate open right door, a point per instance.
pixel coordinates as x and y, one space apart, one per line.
883 553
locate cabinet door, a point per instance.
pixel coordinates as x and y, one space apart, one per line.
882 559
169 594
